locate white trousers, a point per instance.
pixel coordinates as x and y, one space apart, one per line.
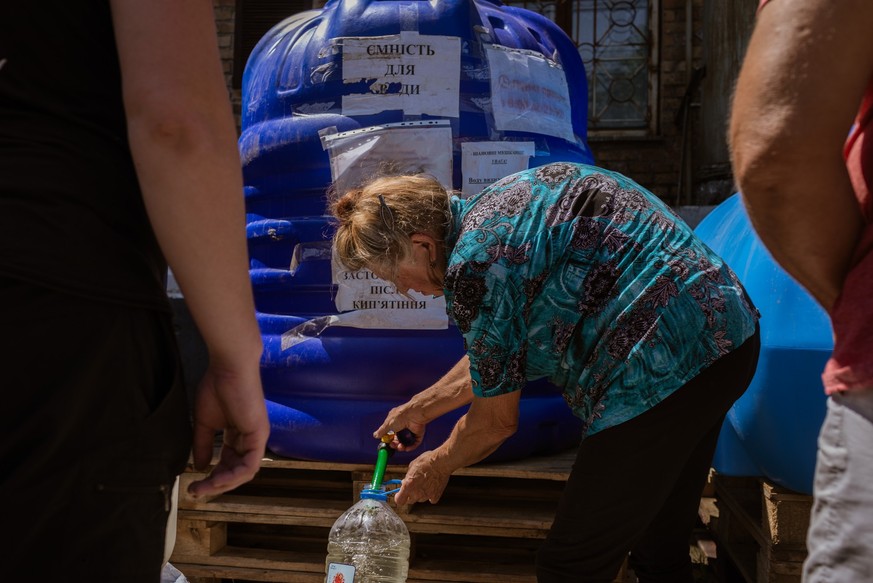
840 537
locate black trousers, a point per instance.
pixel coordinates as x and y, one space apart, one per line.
635 487
95 427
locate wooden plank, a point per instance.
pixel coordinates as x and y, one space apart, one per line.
785 515
303 539
707 509
497 519
200 538
474 560
547 467
321 482
438 573
733 528
486 528
523 508
257 518
762 528
522 490
461 529
743 502
439 558
198 573
258 559
493 519
473 571
277 506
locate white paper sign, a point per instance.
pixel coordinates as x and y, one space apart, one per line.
418 74
417 146
355 156
529 93
483 163
370 302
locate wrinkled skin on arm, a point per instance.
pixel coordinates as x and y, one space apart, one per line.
488 423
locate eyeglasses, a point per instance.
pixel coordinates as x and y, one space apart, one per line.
386 214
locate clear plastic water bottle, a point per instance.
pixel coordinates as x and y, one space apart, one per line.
369 543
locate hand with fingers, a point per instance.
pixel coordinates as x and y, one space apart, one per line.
232 402
407 424
425 480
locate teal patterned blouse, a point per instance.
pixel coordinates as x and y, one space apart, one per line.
580 275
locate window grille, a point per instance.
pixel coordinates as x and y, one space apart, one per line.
615 41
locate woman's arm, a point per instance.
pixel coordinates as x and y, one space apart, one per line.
489 422
183 140
453 390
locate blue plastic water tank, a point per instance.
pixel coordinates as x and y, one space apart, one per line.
771 431
333 385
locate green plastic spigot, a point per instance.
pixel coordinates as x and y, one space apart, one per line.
384 452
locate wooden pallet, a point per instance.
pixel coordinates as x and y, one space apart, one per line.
486 527
760 527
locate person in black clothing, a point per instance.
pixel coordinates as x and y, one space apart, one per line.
117 155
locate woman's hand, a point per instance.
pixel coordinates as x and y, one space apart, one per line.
479 432
453 390
406 416
425 480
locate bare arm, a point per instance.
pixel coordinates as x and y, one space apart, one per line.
183 139
799 89
453 390
488 423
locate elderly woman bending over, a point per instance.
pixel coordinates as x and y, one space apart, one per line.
579 275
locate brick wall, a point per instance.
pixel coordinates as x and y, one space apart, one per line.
655 162
225 11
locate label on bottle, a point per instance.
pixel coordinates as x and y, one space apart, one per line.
340 573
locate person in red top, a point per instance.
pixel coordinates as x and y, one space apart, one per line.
805 84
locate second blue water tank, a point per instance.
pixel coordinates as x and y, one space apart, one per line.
771 431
